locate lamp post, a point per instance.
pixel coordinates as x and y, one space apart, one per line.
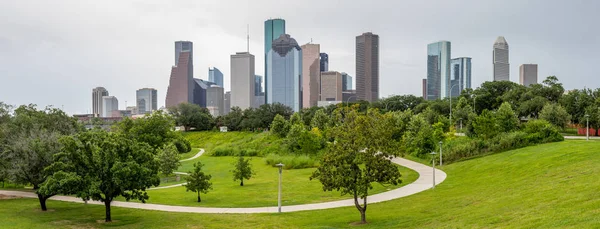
461 124
433 166
348 100
440 153
279 193
587 128
451 101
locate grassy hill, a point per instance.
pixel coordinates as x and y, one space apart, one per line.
547 186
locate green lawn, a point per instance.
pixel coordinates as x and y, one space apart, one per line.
547 186
189 154
263 142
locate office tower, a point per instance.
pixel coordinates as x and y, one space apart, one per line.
528 74
258 88
460 75
311 71
216 76
215 100
349 96
438 70
147 100
284 73
109 104
324 59
367 67
346 82
181 82
242 80
200 88
500 60
424 88
274 28
331 86
97 94
132 109
227 103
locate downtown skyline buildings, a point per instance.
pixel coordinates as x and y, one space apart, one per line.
500 60
283 82
367 67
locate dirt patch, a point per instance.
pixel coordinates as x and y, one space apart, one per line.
7 197
104 222
358 223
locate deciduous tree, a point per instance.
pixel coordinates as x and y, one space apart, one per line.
198 181
242 170
168 159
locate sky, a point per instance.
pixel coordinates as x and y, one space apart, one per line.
56 52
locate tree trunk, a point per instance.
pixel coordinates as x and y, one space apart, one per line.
362 210
242 183
199 200
107 206
42 199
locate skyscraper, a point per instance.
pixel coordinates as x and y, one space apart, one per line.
146 100
500 60
331 86
311 72
424 89
97 94
460 75
200 89
226 103
258 88
182 46
274 28
181 82
109 104
367 67
215 100
528 74
283 82
438 70
216 76
324 58
346 82
242 80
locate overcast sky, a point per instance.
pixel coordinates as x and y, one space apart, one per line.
55 52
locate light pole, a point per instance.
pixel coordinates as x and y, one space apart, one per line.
440 153
461 124
587 128
348 100
433 166
451 102
279 194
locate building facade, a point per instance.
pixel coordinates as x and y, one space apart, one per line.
283 82
311 72
460 75
438 70
528 74
200 89
500 60
146 100
109 104
226 103
424 89
216 76
346 82
215 100
367 67
258 86
274 28
331 86
242 80
181 82
324 61
97 94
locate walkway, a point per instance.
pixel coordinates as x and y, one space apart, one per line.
581 137
181 173
194 157
423 183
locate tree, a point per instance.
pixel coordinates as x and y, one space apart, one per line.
295 119
489 95
360 156
242 170
102 166
462 112
418 138
168 159
556 115
506 118
485 125
191 115
198 181
319 120
156 129
233 120
280 126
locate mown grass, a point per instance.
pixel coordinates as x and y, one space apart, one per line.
547 186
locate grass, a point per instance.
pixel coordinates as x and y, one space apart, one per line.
547 186
190 154
264 142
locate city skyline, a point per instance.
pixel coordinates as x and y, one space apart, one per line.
102 62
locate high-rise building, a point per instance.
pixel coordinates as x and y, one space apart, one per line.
424 88
146 100
109 104
331 86
283 82
311 71
438 70
97 94
181 82
500 60
215 100
258 88
200 88
528 74
346 82
226 103
274 28
216 76
242 80
460 75
324 59
367 67
132 109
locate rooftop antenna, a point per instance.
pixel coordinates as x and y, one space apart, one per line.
311 40
248 38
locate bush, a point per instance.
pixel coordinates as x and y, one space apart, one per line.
280 126
542 131
291 161
230 151
182 145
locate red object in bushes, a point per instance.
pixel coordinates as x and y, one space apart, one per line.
581 131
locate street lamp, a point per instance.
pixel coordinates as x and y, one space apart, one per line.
348 100
587 129
433 166
451 101
461 124
440 153
279 194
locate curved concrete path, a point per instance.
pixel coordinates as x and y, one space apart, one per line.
181 173
424 182
194 157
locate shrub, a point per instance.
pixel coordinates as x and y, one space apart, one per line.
291 161
182 145
280 126
231 151
555 114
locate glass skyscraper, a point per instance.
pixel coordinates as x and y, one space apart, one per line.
258 90
438 70
216 76
346 82
460 75
500 60
283 82
273 29
324 62
146 100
